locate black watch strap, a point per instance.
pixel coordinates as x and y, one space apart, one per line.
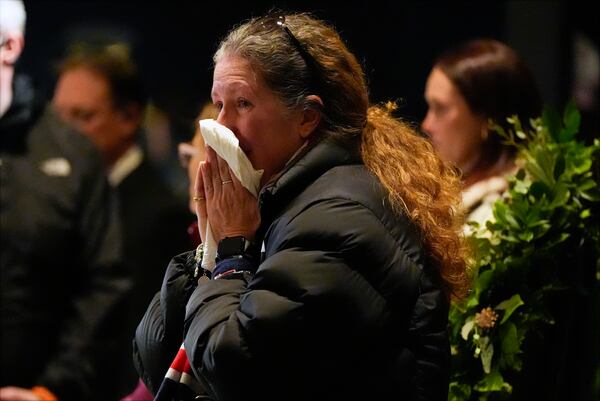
232 247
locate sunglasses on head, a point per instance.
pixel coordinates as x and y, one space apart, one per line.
277 21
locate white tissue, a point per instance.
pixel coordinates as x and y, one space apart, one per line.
223 141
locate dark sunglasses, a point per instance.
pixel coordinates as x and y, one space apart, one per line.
277 21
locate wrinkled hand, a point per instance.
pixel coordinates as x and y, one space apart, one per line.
229 207
11 393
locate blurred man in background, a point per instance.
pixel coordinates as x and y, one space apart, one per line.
60 276
99 91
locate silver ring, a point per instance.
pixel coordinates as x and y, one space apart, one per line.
226 182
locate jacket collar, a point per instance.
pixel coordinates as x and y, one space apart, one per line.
316 159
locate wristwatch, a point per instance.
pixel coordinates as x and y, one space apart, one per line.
232 247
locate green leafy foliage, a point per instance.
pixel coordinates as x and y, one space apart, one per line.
550 210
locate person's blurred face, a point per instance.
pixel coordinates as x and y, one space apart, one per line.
11 46
455 131
268 133
83 98
190 156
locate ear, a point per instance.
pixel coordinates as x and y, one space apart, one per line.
12 49
311 116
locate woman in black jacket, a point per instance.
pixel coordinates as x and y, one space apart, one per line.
335 282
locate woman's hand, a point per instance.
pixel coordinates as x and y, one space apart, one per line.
231 209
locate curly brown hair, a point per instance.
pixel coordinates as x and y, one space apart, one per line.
423 186
311 58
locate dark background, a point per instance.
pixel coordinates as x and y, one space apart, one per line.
396 41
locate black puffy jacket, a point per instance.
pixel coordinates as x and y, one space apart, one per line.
345 304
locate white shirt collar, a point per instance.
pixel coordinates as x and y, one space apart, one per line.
130 160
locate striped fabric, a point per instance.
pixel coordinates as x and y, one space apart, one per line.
179 383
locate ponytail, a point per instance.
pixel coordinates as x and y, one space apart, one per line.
421 186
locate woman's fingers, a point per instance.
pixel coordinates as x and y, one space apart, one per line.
199 193
231 209
199 184
224 172
200 202
207 179
215 175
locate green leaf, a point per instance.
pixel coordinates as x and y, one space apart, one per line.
467 327
510 218
492 382
526 236
459 392
543 161
503 215
487 353
559 167
500 212
561 196
587 185
552 242
592 197
521 187
571 120
533 167
538 189
510 346
482 282
509 306
472 302
551 120
582 167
